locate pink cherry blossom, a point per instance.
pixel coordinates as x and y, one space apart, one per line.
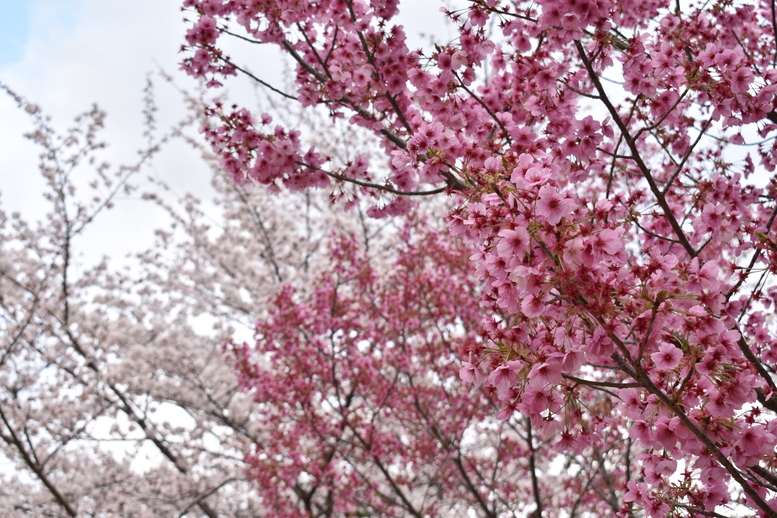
471 374
502 378
532 306
667 357
552 206
515 242
624 258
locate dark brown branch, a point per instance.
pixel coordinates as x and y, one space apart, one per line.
631 142
764 474
593 383
485 107
755 362
533 469
263 83
345 100
756 255
385 188
641 376
244 38
663 117
774 31
14 441
685 158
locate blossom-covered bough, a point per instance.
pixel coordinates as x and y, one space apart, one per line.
612 161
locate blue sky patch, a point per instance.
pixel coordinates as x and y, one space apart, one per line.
14 29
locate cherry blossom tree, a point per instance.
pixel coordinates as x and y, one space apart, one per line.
118 399
603 158
115 397
360 380
103 411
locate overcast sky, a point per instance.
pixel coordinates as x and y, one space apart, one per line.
65 55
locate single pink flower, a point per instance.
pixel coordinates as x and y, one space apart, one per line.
536 176
637 493
608 241
514 242
507 412
565 443
641 431
471 374
552 205
667 358
546 374
718 405
665 432
753 440
740 81
532 306
502 378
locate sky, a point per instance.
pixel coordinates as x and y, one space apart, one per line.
14 27
69 52
65 55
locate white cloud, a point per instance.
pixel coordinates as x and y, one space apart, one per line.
80 52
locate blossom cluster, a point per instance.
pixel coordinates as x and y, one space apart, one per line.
604 156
